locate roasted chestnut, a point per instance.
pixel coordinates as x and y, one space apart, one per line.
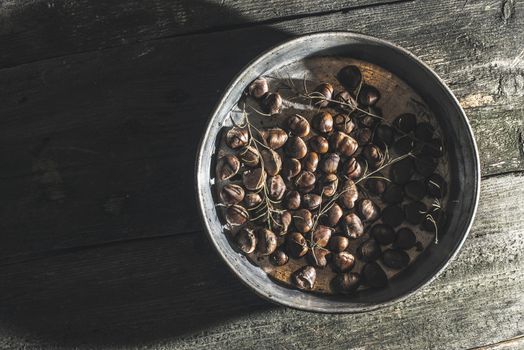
292 200
344 123
305 181
351 226
276 187
274 137
304 278
311 201
333 215
272 103
373 275
227 167
350 76
296 245
310 161
344 144
349 194
352 169
369 250
254 179
395 258
330 162
252 199
368 95
272 161
279 258
303 220
249 156
231 194
321 235
329 185
368 210
319 144
343 261
374 156
346 283
405 122
323 122
246 240
298 125
323 94
406 239
393 215
296 148
291 167
318 257
236 215
237 137
281 222
266 241
338 243
384 234
258 88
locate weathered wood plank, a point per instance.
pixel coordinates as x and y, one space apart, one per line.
510 344
33 30
98 147
173 293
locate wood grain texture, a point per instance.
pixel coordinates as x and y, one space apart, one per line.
35 30
174 293
510 344
99 147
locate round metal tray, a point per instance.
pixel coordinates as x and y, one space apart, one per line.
463 167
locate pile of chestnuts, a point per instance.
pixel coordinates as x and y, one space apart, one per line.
341 191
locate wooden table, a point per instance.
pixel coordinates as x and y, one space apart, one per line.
102 105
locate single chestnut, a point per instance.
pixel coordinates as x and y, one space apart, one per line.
383 234
321 235
406 239
346 100
272 102
402 171
258 88
352 169
232 194
304 278
272 161
323 122
368 95
346 283
368 210
274 137
246 240
296 147
249 156
351 226
281 222
349 194
319 144
298 125
344 144
393 194
266 241
305 181
343 261
276 187
369 250
373 156
318 257
292 200
227 167
291 167
343 123
310 161
333 215
395 258
236 215
329 185
237 137
338 243
376 185
252 199
254 179
311 201
296 245
303 220
323 93
373 275
279 258
350 76
330 162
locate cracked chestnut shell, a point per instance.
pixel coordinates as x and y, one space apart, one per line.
249 156
232 194
349 195
344 144
374 156
227 167
276 187
330 163
318 257
333 215
304 278
252 199
322 235
305 181
237 137
310 161
236 215
296 245
292 200
303 220
343 123
329 185
281 222
351 226
352 169
343 261
291 167
311 201
368 210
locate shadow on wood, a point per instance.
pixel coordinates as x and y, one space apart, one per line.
144 289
